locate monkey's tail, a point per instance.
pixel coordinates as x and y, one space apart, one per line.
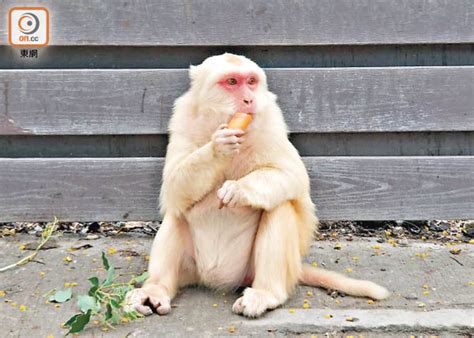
332 280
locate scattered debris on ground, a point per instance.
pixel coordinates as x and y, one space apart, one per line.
446 231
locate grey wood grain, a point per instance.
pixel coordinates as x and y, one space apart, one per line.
87 102
357 188
254 22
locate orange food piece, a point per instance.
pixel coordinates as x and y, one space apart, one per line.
240 121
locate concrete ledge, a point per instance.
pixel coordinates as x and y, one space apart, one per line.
314 320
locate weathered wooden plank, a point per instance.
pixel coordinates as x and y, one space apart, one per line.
113 57
84 102
254 22
357 188
321 144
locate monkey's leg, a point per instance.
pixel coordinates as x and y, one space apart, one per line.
171 266
277 262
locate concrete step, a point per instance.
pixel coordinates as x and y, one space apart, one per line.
432 292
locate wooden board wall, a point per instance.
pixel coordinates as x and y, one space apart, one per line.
88 143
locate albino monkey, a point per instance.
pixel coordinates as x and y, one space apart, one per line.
267 221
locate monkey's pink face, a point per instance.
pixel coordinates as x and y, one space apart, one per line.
242 87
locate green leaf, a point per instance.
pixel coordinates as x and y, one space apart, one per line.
132 315
94 281
61 296
140 279
110 276
79 322
87 303
108 313
114 303
95 285
115 318
122 291
105 261
92 291
72 320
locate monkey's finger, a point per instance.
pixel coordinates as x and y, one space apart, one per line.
228 196
230 132
233 202
221 192
231 139
221 205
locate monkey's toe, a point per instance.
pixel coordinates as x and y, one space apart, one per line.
238 308
147 301
254 303
134 301
161 304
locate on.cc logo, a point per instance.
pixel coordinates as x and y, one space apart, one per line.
28 26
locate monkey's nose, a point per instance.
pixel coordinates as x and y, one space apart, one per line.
248 101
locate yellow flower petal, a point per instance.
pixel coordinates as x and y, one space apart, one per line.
22 308
111 251
2 293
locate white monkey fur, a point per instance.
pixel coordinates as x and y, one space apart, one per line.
261 236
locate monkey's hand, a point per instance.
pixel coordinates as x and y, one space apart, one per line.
232 195
226 142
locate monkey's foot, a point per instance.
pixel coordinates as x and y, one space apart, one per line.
254 303
150 298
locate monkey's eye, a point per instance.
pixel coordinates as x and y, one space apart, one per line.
231 81
252 81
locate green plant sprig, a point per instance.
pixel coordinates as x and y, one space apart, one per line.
104 300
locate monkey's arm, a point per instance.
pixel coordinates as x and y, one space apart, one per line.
280 177
267 188
189 174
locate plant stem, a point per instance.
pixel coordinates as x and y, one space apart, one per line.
46 235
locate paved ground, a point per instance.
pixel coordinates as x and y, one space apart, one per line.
433 293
